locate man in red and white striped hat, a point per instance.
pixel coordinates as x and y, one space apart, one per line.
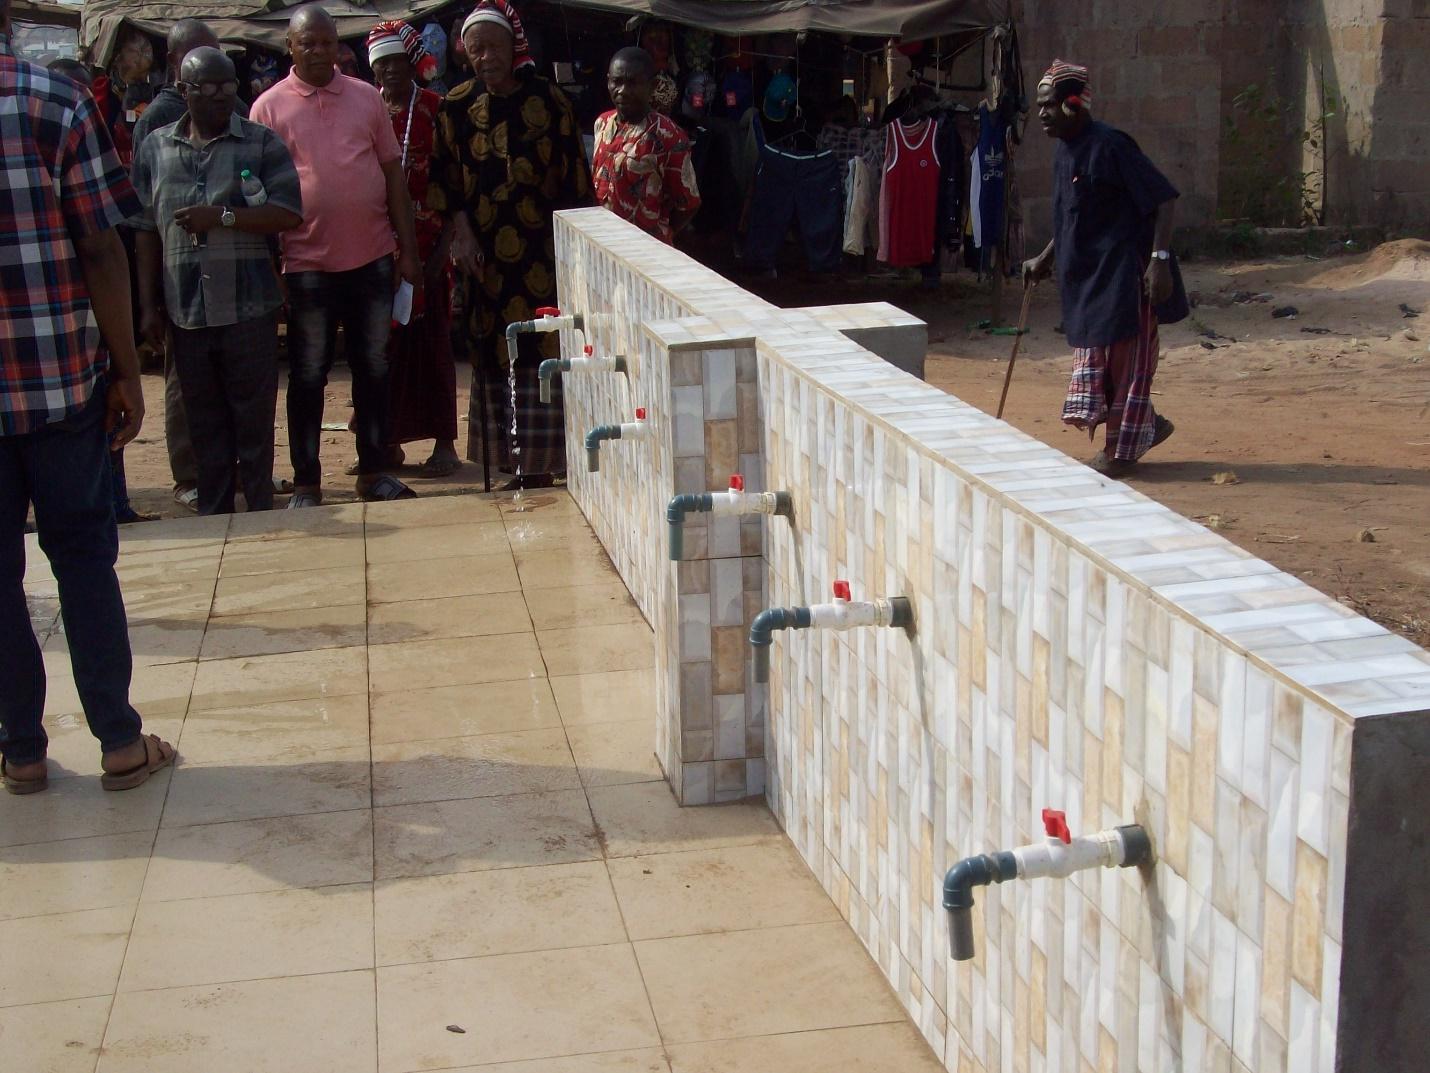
1112 231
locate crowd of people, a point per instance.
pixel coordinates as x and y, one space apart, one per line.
389 212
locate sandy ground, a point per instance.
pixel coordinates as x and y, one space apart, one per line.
1311 450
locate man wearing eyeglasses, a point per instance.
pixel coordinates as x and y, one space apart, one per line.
214 186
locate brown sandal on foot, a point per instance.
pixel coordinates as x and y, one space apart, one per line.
23 786
157 756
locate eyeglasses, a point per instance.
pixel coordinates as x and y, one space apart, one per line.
213 89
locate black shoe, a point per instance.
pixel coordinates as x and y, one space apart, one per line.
1162 431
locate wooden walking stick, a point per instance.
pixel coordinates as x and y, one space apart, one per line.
1017 342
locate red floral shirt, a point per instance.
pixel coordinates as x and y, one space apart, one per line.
642 171
417 146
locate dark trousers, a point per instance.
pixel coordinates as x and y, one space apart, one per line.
796 187
229 378
63 469
318 302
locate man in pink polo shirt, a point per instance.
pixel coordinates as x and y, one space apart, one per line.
339 263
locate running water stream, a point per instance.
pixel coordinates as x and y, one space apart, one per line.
512 348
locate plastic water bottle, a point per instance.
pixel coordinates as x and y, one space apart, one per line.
252 190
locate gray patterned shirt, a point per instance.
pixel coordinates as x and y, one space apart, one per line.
229 277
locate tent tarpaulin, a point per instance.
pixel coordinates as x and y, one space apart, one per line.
252 22
264 22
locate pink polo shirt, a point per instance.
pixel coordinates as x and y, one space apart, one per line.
339 136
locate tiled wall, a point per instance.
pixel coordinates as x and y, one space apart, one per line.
1076 646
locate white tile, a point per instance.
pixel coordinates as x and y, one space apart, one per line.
727 592
1316 742
1303 1039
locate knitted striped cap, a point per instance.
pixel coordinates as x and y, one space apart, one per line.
391 38
503 14
1068 80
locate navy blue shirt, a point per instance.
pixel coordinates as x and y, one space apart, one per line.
1105 199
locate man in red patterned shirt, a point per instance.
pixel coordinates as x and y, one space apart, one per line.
64 404
641 169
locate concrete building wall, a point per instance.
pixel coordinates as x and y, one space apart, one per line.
1170 74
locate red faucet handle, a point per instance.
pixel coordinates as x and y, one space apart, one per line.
640 413
737 483
841 591
1056 824
548 311
589 350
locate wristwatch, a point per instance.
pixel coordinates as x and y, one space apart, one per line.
1161 255
228 218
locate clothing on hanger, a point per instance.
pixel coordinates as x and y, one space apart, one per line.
801 188
986 181
908 198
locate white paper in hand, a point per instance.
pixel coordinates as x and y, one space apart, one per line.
402 303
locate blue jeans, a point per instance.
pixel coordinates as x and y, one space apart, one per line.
64 470
318 302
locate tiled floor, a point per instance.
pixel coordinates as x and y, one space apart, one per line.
417 825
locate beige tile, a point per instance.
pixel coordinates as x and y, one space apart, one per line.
269 633
754 983
515 1006
146 571
462 711
54 1037
644 818
583 605
316 1024
327 849
230 683
564 534
167 600
250 594
403 545
451 616
63 955
279 786
340 520
308 554
455 661
488 765
605 697
154 690
625 646
157 641
613 754
733 889
73 875
73 750
645 1060
886 1048
484 832
541 568
292 729
409 514
80 808
173 534
520 909
249 937
541 505
471 575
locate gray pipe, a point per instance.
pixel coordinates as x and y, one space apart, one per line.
548 369
593 444
680 506
958 886
762 633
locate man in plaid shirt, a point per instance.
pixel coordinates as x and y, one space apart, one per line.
64 402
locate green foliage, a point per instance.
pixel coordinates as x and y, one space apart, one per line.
1262 186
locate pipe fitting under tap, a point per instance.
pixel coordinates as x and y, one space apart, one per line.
736 501
638 429
548 319
1058 856
843 614
586 363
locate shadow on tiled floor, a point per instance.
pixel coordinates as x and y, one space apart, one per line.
417 794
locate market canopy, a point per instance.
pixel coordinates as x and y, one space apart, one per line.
265 22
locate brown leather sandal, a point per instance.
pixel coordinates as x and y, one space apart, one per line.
157 756
23 786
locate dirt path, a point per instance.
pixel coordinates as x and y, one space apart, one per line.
1328 435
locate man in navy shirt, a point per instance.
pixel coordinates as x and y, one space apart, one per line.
1112 229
